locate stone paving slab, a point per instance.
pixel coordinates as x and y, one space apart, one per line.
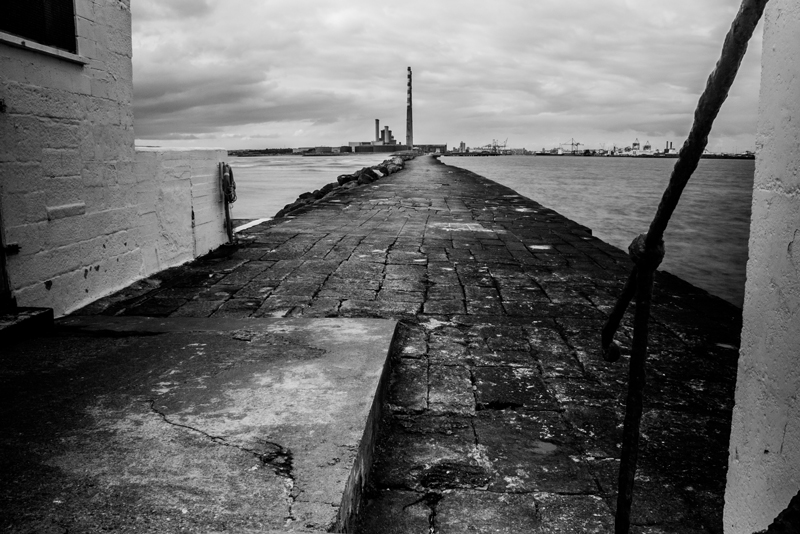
190 424
501 417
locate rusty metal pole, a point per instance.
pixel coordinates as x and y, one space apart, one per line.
8 304
225 185
646 260
648 250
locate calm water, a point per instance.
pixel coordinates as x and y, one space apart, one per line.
265 184
706 241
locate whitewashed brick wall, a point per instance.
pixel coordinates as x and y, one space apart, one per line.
180 205
86 220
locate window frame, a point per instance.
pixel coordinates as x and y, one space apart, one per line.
26 43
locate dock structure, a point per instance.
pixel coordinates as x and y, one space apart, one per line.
501 415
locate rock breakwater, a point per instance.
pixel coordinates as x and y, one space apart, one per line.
343 182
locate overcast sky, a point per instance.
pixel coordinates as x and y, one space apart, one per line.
268 73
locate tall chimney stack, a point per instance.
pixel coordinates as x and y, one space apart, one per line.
409 119
377 130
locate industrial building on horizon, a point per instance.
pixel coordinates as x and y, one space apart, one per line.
384 139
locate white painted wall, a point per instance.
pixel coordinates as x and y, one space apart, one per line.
87 218
66 163
764 462
180 205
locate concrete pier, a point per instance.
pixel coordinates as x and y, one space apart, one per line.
131 424
501 416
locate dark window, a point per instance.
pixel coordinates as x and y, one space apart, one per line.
48 22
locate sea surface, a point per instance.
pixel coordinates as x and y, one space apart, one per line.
706 241
265 184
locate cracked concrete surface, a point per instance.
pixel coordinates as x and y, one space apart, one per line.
271 455
188 424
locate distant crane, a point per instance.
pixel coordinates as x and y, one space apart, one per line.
573 144
495 147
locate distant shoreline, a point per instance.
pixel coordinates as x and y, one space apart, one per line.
270 152
647 156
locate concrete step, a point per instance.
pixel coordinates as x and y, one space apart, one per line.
189 424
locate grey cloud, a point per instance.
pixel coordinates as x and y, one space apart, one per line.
169 93
210 103
531 69
149 10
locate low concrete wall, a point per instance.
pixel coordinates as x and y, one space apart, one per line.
84 214
764 461
180 205
168 211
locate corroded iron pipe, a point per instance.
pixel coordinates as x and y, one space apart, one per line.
633 411
647 250
646 261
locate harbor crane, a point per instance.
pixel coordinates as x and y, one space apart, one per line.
573 144
495 147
